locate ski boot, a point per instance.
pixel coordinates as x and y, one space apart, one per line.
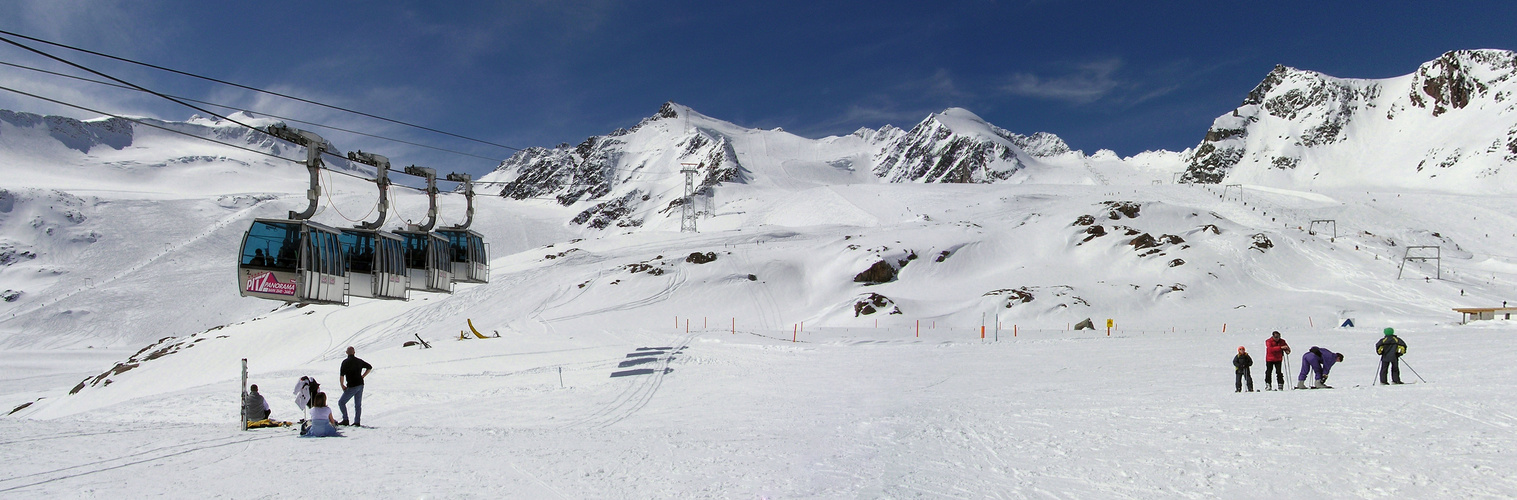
1300 384
1268 387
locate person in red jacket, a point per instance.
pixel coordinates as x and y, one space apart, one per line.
1275 350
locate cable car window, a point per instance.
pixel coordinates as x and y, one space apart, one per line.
359 248
395 257
476 249
308 253
440 257
338 264
416 251
324 247
270 245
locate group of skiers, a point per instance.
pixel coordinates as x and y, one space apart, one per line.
310 400
1318 362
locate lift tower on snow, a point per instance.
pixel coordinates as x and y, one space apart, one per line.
687 204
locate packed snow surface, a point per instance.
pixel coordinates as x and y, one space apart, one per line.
824 335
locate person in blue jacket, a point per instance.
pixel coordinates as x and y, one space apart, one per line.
1318 361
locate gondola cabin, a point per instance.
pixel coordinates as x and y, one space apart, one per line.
426 259
376 264
470 258
294 261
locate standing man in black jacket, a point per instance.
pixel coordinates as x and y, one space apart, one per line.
1390 350
351 379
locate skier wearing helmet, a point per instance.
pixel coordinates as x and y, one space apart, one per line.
1390 350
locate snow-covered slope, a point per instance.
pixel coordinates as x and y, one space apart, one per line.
825 334
1449 126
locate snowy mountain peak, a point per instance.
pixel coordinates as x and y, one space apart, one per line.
1301 127
958 146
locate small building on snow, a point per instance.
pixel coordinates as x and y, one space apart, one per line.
1469 314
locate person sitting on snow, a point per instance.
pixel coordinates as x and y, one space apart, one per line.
1319 361
254 406
321 424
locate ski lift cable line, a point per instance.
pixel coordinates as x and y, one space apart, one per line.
129 85
207 139
177 100
271 115
193 136
255 89
140 122
123 82
138 87
191 106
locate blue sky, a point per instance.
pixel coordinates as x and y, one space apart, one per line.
1127 76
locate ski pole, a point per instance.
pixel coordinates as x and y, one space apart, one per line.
1414 371
1287 359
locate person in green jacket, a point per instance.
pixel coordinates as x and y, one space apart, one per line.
1390 350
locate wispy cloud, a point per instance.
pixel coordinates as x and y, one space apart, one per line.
1082 84
89 24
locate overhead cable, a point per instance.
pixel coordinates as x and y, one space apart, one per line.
123 82
255 89
214 141
271 115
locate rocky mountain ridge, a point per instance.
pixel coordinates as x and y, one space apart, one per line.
631 175
1451 124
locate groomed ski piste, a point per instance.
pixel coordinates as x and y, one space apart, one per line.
624 369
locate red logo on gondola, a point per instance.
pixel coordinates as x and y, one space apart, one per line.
267 283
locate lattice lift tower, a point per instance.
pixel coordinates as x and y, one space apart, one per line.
687 205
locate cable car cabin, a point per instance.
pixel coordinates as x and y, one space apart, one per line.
470 258
426 259
294 261
376 264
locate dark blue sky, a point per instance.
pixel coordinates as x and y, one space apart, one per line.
1126 76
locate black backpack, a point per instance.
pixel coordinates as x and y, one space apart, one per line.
312 387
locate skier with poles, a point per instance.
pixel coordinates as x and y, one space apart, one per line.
1390 350
1275 350
1243 367
1318 361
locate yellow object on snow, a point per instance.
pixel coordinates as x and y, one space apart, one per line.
259 424
472 329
